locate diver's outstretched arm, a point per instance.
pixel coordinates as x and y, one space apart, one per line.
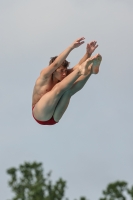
46 72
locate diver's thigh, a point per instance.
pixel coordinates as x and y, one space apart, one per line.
45 107
61 106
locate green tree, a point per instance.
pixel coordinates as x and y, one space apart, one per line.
29 183
117 191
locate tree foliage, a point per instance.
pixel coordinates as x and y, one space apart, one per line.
28 182
117 191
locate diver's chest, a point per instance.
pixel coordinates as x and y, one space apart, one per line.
47 87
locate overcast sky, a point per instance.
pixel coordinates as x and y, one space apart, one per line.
92 145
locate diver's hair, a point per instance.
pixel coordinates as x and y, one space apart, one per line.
65 63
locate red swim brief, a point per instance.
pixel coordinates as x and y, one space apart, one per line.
49 122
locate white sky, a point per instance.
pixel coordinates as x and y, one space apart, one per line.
92 145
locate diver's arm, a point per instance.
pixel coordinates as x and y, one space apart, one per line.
46 72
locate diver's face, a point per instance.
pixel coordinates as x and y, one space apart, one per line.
60 73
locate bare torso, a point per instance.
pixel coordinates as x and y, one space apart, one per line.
42 86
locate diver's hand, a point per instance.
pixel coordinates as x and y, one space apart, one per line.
91 47
77 43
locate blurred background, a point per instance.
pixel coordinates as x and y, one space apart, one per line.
92 144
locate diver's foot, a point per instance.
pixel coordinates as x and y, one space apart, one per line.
91 65
86 67
96 63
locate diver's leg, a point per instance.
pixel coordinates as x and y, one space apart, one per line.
78 85
65 99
